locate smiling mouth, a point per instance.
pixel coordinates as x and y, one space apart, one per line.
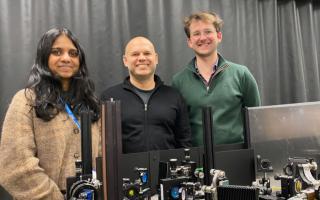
65 68
203 44
142 65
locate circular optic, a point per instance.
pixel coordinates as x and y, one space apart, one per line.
288 170
144 177
174 192
297 186
265 164
131 193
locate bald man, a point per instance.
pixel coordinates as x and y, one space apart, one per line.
154 116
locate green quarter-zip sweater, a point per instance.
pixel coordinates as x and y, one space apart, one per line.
231 89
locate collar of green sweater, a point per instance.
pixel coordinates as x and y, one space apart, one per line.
222 64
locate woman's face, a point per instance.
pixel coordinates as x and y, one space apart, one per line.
64 59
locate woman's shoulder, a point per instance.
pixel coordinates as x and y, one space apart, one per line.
26 96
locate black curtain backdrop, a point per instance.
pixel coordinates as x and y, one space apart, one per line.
277 39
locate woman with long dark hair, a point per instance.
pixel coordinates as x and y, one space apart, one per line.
40 139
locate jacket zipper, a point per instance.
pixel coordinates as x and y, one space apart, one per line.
217 72
146 123
145 127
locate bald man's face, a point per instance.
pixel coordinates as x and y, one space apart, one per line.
140 58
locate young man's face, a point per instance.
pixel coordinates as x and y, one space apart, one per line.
204 39
140 58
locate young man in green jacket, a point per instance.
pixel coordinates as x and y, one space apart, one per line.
210 80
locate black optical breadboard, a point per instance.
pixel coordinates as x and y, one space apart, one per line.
237 192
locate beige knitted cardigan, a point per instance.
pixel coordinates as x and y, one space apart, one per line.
36 157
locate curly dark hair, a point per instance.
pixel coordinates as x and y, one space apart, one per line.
49 95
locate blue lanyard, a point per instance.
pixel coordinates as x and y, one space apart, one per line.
70 113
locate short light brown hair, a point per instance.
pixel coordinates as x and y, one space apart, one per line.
206 16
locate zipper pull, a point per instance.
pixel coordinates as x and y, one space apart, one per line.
145 107
208 88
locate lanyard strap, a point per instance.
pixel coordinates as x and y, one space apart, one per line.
70 113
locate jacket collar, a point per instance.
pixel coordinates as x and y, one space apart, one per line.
191 65
127 84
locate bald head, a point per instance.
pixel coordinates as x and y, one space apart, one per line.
139 41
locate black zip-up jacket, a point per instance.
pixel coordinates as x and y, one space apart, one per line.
162 123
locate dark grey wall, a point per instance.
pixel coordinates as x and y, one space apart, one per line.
277 40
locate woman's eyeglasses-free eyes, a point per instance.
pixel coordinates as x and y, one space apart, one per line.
59 52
